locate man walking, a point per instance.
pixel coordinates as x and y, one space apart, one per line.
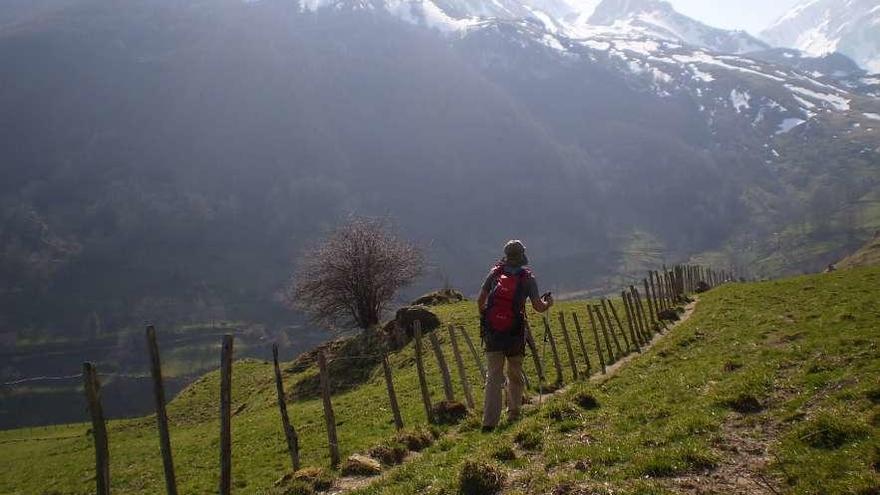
502 305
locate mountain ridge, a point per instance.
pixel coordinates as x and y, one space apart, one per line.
820 27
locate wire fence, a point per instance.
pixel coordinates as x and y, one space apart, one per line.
630 324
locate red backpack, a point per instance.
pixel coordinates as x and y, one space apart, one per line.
504 308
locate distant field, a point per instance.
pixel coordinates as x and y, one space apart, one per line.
784 371
190 351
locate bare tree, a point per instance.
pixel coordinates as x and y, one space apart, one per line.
349 278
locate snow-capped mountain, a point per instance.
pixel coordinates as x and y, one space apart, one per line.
654 19
819 27
658 50
658 19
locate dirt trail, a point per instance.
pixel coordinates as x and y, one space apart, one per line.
745 450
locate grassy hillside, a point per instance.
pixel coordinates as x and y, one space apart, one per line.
772 383
259 450
868 255
768 388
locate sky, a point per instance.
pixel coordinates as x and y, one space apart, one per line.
750 15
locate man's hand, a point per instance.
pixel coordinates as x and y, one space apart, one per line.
543 303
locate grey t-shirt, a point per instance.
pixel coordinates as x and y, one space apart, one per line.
531 289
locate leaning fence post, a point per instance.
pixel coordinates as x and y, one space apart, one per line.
161 413
99 429
226 416
596 337
329 416
444 368
629 321
651 310
536 357
557 364
477 358
640 311
289 431
462 373
661 291
580 336
605 305
620 325
568 348
420 367
670 291
392 396
612 357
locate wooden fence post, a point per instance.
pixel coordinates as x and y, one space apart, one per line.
648 330
580 336
392 396
605 304
462 372
226 416
664 291
557 364
629 320
161 413
620 325
596 337
640 323
329 415
420 367
658 290
289 431
568 348
444 368
477 358
536 357
99 429
652 313
612 357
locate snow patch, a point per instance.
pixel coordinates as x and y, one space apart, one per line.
872 116
700 75
837 102
789 124
603 46
740 100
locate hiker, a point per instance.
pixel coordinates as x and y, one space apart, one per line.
503 327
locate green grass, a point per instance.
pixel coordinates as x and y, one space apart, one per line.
804 350
65 457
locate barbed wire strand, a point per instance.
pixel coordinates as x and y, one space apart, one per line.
21 381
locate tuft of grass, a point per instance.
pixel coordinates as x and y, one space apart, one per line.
561 411
586 401
480 478
504 453
416 439
745 404
389 453
319 479
529 438
450 412
831 432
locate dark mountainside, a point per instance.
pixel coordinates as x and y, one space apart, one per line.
166 160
